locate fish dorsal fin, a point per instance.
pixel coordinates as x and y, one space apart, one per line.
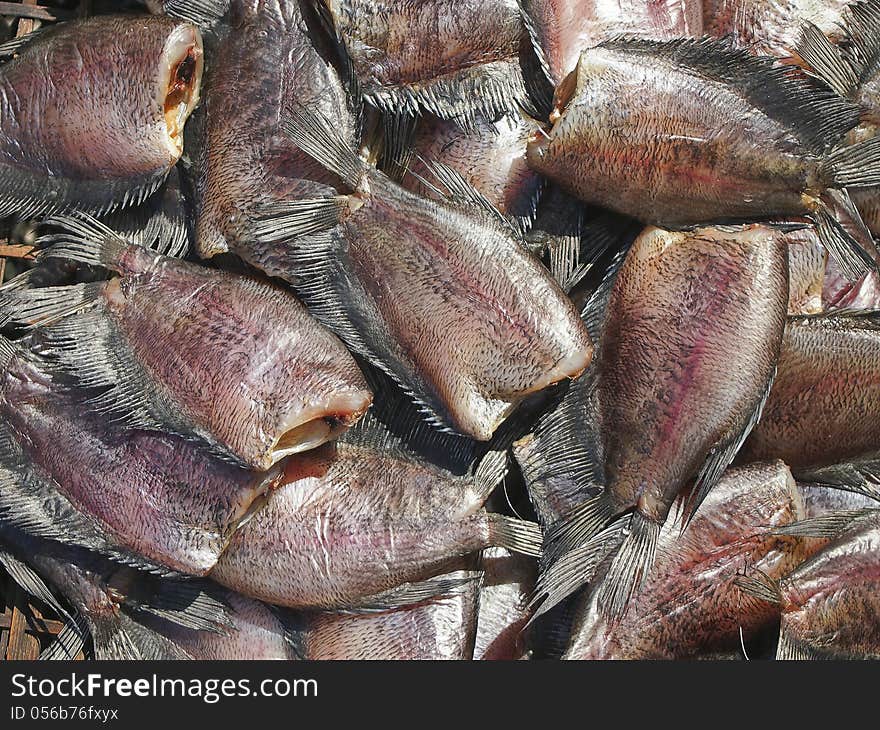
816 115
861 46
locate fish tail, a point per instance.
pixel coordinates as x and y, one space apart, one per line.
630 567
45 305
576 568
852 257
491 472
826 60
84 239
518 536
7 348
855 166
578 526
118 636
760 585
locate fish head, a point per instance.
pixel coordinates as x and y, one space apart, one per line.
179 78
551 150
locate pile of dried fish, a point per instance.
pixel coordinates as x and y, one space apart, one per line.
486 329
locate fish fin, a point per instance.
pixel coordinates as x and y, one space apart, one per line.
399 131
117 636
192 604
518 536
759 585
861 477
161 223
314 134
721 455
814 113
790 649
499 87
593 311
13 46
827 526
537 49
409 594
491 472
576 568
630 567
577 527
861 46
395 415
29 195
87 347
31 583
560 459
282 221
45 305
855 166
566 266
8 351
462 192
826 60
203 13
69 642
82 238
854 261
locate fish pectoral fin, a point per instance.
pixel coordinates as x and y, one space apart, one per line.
576 568
759 585
409 594
288 220
826 526
82 238
826 60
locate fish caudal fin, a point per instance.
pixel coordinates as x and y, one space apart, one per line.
82 238
630 567
576 568
518 536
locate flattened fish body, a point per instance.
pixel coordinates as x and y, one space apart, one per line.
263 63
93 112
688 348
826 392
690 603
